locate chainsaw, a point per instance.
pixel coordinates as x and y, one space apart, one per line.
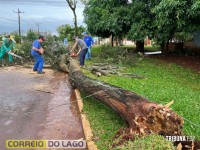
13 54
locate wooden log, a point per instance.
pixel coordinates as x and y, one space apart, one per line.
100 64
130 75
96 69
61 63
142 116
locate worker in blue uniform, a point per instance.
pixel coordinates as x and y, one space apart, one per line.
89 42
37 52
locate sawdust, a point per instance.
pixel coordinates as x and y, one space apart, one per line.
43 88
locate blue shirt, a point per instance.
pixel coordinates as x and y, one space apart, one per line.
65 41
37 45
88 40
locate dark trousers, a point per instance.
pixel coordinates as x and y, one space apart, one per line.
82 56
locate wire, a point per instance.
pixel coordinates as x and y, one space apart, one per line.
8 19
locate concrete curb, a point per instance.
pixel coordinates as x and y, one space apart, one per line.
86 125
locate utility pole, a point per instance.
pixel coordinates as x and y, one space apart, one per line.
19 12
38 27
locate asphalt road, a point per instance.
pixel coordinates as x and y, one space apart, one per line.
34 107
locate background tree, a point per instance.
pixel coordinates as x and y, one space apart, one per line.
72 4
16 36
195 9
31 36
161 20
67 31
107 18
175 18
142 19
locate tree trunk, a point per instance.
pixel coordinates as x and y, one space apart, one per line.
162 46
117 41
97 69
112 40
140 46
167 48
142 116
59 64
75 22
72 5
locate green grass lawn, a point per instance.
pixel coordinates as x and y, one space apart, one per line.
104 122
97 49
164 82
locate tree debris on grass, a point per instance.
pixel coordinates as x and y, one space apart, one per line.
105 69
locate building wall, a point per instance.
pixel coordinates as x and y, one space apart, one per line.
125 41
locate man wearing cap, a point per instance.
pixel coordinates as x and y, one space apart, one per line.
7 45
37 52
89 42
83 49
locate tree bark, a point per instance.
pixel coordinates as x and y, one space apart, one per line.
61 63
72 5
162 45
142 116
112 40
96 69
167 47
140 46
75 22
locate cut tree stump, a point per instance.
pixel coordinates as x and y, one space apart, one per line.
61 63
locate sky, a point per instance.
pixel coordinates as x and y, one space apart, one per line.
47 14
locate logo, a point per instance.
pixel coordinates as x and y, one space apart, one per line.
42 144
180 138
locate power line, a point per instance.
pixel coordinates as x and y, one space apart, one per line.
19 12
7 19
26 22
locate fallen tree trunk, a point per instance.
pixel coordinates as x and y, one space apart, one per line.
142 116
61 63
